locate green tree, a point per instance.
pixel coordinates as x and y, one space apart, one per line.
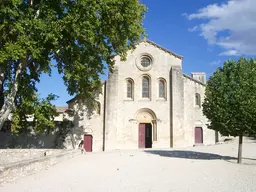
80 35
230 100
34 115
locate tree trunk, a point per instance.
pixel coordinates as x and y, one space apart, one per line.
216 136
1 89
1 81
239 159
73 141
9 103
4 117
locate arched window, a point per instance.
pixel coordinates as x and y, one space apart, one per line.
198 99
129 91
145 87
161 88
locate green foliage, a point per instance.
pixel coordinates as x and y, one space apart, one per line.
230 98
80 35
35 113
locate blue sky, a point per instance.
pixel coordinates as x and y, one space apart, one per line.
204 32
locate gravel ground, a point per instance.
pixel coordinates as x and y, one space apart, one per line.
198 169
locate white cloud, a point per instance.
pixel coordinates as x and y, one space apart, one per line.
230 25
215 63
193 29
230 53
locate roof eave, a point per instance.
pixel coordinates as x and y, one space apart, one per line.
195 80
160 47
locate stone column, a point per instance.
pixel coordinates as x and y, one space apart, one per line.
111 110
177 135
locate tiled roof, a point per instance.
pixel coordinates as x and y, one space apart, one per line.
61 109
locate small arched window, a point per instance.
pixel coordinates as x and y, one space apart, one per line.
129 91
198 99
161 88
145 87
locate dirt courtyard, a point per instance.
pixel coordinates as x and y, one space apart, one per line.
194 169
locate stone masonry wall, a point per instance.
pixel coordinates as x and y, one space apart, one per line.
176 116
17 163
87 121
7 140
126 109
194 115
177 107
111 109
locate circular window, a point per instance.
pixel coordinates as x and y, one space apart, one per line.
145 61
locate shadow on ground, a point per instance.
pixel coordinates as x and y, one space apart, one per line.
189 155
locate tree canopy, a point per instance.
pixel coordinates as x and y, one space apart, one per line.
34 114
230 98
78 34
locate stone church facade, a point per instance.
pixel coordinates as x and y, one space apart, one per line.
147 102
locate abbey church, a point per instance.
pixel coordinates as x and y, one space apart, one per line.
147 102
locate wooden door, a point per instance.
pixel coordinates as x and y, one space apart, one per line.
88 143
198 135
148 143
142 136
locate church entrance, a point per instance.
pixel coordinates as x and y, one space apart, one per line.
147 129
198 135
145 135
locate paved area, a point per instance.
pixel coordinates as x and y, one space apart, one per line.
197 169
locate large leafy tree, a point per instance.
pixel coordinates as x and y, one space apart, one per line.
34 114
78 34
230 100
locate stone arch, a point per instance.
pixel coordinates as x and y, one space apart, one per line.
146 115
199 123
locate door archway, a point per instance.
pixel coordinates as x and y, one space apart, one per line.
198 135
147 129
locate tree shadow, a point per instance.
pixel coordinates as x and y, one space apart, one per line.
189 155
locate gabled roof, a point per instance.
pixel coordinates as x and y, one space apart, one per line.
74 98
71 100
160 47
61 109
150 42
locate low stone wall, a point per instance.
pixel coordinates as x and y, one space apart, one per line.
34 161
7 140
9 156
40 141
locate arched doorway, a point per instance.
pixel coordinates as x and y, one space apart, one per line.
198 132
88 142
147 129
198 135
